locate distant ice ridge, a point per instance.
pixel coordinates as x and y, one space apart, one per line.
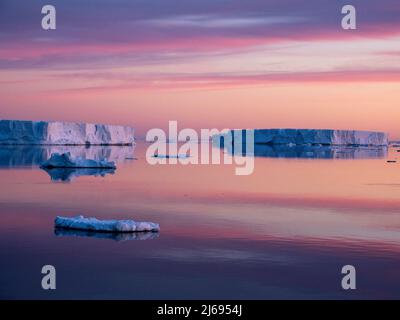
93 224
320 137
66 161
16 132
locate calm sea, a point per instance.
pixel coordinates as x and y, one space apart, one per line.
283 232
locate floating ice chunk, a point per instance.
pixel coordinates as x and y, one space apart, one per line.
173 156
93 224
66 161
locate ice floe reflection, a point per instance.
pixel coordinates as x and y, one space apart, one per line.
68 175
61 232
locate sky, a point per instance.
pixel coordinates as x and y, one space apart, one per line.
207 64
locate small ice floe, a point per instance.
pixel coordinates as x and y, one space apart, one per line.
93 224
171 156
116 236
66 161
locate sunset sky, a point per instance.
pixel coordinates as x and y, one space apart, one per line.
205 63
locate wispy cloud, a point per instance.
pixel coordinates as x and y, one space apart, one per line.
214 21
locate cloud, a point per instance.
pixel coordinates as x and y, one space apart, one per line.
224 38
115 82
189 24
212 21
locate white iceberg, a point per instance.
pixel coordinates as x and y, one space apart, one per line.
17 132
93 224
66 161
318 137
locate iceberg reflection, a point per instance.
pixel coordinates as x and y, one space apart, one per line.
67 175
61 232
28 156
312 152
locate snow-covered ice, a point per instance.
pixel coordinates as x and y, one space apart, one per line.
17 132
320 137
93 224
66 161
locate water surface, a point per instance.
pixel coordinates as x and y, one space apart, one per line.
283 232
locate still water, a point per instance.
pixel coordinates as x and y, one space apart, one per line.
283 232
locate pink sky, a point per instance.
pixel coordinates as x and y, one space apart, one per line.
256 65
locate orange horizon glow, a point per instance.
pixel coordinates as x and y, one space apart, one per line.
210 70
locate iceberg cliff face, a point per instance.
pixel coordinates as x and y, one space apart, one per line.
15 132
320 137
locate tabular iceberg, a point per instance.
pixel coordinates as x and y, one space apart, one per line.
16 132
93 224
319 137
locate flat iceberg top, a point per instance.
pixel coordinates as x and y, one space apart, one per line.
17 132
66 161
93 224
